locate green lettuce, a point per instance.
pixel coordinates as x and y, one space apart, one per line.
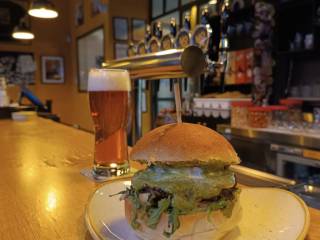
155 213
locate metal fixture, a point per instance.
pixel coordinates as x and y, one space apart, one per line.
255 178
172 63
23 31
43 9
286 137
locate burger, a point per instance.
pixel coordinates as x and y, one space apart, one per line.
187 189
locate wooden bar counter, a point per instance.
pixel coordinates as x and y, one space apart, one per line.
42 193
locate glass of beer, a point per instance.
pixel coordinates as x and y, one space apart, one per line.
109 97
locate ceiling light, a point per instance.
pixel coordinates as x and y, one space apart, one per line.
23 35
22 31
213 2
42 9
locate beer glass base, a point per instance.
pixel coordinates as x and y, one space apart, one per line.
107 171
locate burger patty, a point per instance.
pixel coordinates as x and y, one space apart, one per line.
187 186
154 195
179 191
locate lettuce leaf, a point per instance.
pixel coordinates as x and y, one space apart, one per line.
155 213
134 199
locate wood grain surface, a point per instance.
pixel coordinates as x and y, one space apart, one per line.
42 193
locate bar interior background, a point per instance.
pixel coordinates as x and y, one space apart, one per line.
266 51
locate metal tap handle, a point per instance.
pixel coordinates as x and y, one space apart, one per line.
193 61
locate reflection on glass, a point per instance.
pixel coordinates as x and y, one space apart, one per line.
157 8
184 2
185 14
165 21
90 52
171 4
165 89
211 8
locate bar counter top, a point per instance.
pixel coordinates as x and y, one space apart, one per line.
42 193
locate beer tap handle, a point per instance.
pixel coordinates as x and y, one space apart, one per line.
193 61
148 33
187 22
173 27
158 30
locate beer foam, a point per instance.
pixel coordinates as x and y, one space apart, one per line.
108 80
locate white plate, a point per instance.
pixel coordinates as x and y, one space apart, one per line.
268 213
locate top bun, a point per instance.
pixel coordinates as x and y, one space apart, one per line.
184 142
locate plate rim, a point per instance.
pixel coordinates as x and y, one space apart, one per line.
88 222
97 236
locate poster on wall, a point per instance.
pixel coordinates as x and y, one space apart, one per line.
98 6
17 67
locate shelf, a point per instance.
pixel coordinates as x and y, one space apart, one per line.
238 84
287 137
307 99
298 53
284 6
241 14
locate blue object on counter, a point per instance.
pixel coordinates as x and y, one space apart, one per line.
25 92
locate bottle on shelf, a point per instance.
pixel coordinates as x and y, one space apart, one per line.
173 27
204 16
148 33
154 42
158 30
187 22
167 41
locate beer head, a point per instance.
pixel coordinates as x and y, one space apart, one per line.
108 80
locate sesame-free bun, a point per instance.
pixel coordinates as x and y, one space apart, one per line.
183 142
192 226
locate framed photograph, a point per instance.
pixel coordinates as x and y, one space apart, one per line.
98 6
120 28
79 13
90 54
52 69
18 67
138 29
121 50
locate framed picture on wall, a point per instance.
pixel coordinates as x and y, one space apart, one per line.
90 54
18 67
120 50
120 28
138 29
98 6
52 69
79 13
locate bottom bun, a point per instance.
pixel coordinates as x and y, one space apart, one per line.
192 226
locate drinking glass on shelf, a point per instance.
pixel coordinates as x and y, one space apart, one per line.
109 97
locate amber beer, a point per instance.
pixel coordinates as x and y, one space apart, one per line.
109 97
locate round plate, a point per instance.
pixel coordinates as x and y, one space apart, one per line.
268 213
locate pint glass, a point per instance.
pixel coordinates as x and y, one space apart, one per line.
109 97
